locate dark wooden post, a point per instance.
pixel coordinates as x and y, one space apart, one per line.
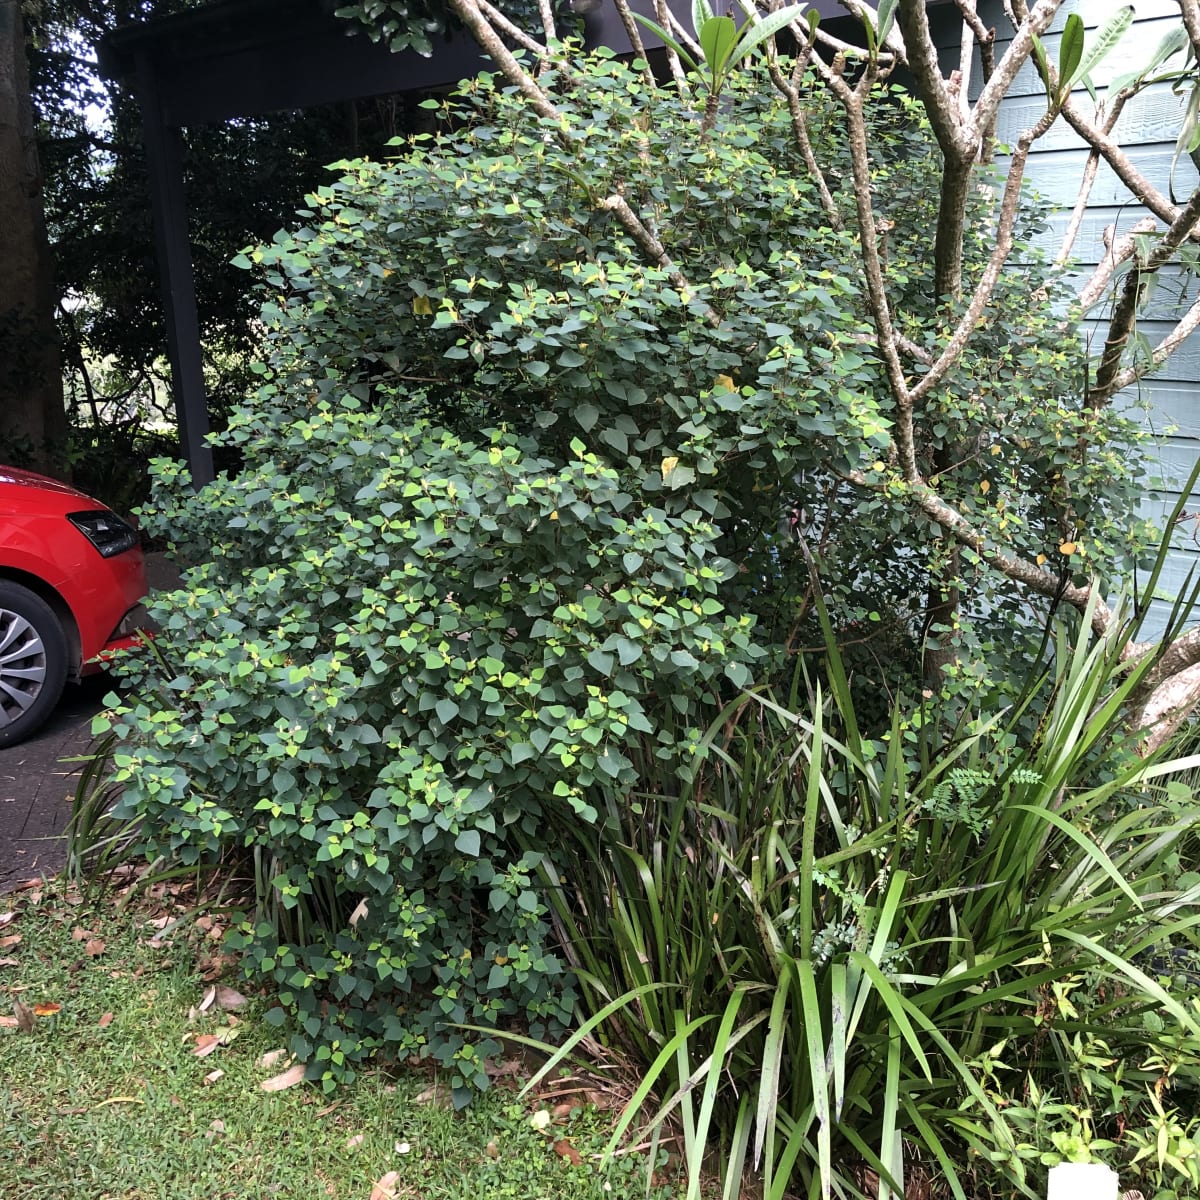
164 164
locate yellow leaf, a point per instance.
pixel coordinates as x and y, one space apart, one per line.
668 465
421 306
985 487
996 449
724 381
554 515
1041 558
1067 548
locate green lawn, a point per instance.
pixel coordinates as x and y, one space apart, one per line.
107 1098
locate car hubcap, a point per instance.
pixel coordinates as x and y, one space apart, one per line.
22 665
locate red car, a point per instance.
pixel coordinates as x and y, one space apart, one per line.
71 582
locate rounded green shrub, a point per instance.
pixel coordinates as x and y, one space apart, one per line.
404 651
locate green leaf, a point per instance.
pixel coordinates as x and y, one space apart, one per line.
468 842
667 40
1043 63
718 36
1173 42
1070 52
521 752
1103 42
587 415
886 17
446 710
764 28
1189 136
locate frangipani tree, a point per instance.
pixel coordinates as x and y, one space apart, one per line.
923 345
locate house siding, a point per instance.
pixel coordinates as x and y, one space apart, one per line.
1168 403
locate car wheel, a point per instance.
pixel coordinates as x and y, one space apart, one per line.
33 662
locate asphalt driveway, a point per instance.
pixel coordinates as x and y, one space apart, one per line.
38 780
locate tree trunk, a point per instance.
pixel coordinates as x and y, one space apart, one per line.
33 423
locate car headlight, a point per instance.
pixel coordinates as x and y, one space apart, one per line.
105 530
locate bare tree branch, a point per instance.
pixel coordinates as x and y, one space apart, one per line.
945 119
791 93
894 40
1035 23
1139 186
634 33
1187 325
1010 206
1116 254
468 11
515 33
653 249
1121 324
966 55
666 18
1086 184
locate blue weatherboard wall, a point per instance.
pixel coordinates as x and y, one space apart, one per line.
1147 129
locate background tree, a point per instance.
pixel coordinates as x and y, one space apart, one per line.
31 398
102 312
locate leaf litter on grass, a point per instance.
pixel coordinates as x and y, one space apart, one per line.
109 1096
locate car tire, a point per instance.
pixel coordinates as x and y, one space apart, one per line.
33 662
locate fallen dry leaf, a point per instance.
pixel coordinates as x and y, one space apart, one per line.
105 1021
8 1022
10 962
360 911
215 966
437 1094
270 1059
213 1076
79 934
7 918
13 939
492 1150
564 1149
95 947
206 1003
24 1016
230 999
216 1128
385 1186
206 1043
507 1067
289 1078
356 1140
46 1009
565 1109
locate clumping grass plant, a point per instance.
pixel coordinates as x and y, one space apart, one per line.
850 964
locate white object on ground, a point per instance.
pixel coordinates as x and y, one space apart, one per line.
1082 1181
